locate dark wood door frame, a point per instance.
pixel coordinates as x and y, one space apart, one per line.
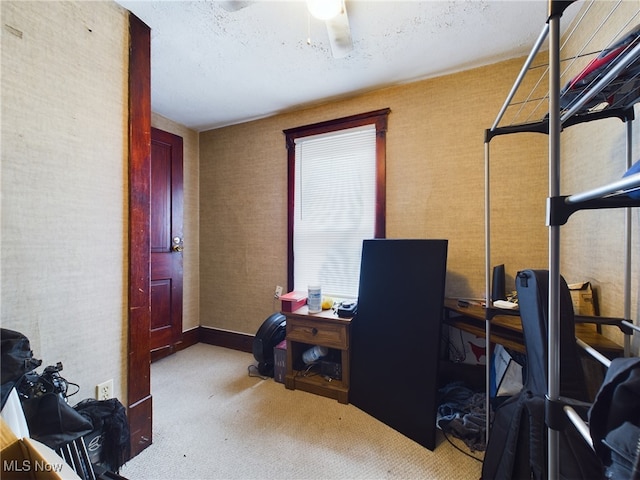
139 400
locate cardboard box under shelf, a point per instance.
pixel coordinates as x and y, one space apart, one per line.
584 299
280 361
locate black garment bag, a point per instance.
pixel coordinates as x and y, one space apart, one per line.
517 447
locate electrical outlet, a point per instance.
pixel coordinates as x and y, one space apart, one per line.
278 291
104 391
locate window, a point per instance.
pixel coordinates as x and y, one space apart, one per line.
336 200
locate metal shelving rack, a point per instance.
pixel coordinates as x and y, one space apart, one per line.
560 208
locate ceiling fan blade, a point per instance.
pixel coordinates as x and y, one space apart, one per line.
340 34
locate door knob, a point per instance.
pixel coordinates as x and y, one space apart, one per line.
177 245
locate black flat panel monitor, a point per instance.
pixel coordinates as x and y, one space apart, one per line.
395 336
498 288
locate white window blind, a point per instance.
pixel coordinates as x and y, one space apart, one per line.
334 208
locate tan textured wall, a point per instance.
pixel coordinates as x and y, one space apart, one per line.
191 253
435 175
592 242
64 185
243 217
64 190
435 189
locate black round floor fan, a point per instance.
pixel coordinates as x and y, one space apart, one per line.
270 334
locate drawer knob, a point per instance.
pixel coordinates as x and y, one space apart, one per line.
314 331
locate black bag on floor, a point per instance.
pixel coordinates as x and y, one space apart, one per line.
271 333
109 419
517 447
17 359
53 421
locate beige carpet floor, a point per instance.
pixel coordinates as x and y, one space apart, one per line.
212 420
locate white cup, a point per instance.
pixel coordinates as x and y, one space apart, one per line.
314 299
314 354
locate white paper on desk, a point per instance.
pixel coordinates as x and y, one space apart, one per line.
505 304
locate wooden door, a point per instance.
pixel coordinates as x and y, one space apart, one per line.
166 242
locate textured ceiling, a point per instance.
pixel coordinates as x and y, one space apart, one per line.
216 63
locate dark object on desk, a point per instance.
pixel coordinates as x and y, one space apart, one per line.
395 337
347 309
498 289
518 438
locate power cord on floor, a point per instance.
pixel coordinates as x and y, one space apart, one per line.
459 449
457 355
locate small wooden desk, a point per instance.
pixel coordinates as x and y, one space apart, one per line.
304 330
506 329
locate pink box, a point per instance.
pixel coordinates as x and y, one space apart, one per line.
293 300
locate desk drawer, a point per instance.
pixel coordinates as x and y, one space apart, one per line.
318 333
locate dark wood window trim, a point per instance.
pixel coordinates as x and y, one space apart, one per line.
377 117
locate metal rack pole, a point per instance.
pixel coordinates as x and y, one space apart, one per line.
583 428
626 183
627 246
487 227
593 352
631 326
553 373
487 220
487 297
522 74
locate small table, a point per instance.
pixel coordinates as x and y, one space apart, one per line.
326 329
